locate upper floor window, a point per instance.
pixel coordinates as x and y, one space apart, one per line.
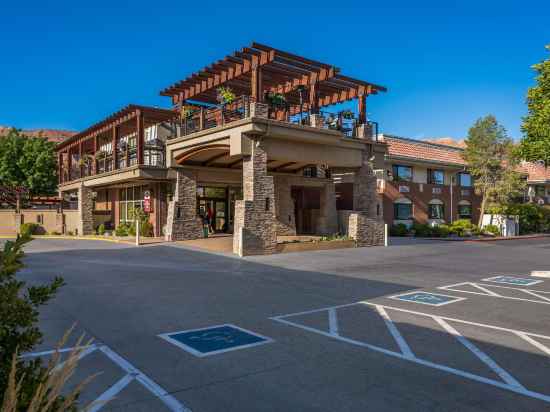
436 177
402 173
540 191
464 179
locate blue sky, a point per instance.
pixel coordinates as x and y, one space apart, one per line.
67 64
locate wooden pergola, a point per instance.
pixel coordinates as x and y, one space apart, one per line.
131 119
254 71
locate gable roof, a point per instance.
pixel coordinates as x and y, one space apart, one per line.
418 150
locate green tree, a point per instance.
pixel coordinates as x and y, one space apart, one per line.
28 162
535 146
489 155
18 321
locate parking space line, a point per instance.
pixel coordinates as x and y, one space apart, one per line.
506 377
533 342
401 342
333 321
81 355
131 373
508 382
110 393
513 280
537 293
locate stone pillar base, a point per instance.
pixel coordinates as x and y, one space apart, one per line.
316 120
365 231
258 236
259 110
364 131
181 227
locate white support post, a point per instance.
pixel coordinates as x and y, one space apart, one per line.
386 235
137 232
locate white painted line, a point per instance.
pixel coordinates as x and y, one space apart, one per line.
530 282
453 288
110 393
536 294
487 291
51 352
458 372
453 300
167 337
171 402
541 273
486 359
401 342
82 354
332 322
414 312
533 342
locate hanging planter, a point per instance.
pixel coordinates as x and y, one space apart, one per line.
186 112
225 95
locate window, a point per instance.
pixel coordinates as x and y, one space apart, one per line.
131 198
436 177
402 209
464 179
310 171
402 173
436 211
540 191
464 211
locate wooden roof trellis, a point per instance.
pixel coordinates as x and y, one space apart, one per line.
127 113
281 72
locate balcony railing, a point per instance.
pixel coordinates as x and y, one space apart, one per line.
242 107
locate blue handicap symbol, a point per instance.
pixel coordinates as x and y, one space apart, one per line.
216 339
513 280
426 298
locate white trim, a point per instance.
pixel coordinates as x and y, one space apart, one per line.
454 300
531 281
167 337
111 393
453 288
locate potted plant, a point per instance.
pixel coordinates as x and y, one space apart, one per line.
186 112
347 114
100 154
276 99
225 95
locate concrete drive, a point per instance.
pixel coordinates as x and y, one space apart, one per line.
349 331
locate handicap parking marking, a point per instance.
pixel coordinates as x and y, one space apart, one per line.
427 298
213 340
498 291
513 280
507 380
131 373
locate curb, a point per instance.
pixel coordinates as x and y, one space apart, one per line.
488 239
72 238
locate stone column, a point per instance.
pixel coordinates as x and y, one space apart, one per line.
60 223
328 218
18 217
85 211
255 229
182 222
365 226
285 220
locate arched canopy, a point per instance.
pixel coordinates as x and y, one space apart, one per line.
464 203
436 202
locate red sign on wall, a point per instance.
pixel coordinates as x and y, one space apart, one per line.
147 205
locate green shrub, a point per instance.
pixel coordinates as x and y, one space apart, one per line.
28 229
121 230
492 229
55 233
440 231
70 233
131 229
399 230
422 230
101 229
463 227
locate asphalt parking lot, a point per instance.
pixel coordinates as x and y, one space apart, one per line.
422 326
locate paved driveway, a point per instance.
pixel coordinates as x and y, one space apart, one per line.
422 327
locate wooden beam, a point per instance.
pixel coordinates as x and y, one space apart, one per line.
362 108
214 158
140 137
276 169
114 146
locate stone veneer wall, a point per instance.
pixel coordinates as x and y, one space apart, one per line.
85 211
255 229
366 231
182 222
328 218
